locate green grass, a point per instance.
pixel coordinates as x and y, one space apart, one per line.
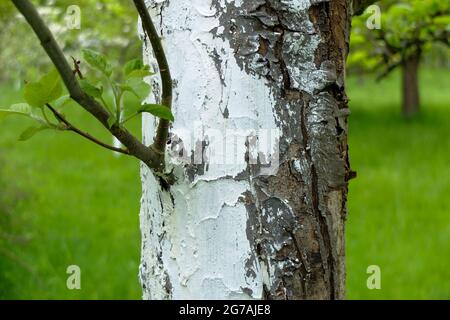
398 205
69 202
64 201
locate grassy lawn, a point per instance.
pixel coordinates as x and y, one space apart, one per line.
67 202
64 201
398 205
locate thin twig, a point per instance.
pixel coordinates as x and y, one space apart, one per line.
70 127
166 79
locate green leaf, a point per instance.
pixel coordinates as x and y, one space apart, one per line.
136 69
130 66
62 101
137 86
31 131
97 61
46 90
33 94
52 83
140 73
22 109
158 110
90 89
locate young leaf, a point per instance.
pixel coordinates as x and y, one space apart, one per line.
62 101
142 73
158 110
97 61
33 94
137 86
136 69
135 64
52 83
31 131
47 89
21 109
90 89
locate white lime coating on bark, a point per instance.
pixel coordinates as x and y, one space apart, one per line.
195 242
203 247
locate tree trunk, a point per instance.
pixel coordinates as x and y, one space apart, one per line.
411 98
259 147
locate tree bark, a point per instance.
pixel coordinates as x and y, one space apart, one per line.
410 84
259 148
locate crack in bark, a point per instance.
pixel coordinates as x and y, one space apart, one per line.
303 264
284 71
321 220
274 22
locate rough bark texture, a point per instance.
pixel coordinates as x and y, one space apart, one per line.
241 230
411 98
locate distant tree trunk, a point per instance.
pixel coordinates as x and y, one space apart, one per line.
410 83
269 223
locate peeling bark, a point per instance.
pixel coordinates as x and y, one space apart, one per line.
242 230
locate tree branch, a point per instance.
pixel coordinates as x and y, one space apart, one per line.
71 127
151 157
443 38
388 70
166 79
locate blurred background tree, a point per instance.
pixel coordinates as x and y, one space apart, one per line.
410 30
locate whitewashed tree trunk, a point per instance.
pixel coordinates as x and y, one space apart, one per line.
268 224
